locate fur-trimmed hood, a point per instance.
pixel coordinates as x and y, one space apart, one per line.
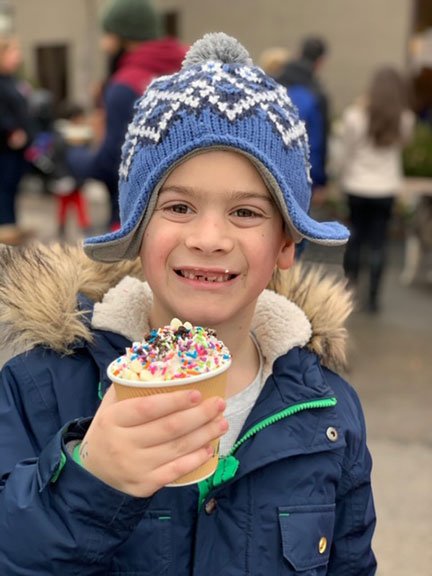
39 286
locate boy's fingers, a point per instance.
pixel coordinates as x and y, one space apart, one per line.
180 423
137 411
190 443
173 470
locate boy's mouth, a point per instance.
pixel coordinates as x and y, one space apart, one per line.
205 275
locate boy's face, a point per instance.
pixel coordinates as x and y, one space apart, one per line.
212 242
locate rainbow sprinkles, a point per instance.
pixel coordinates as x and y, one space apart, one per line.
172 352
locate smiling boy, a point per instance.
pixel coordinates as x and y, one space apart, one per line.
210 249
214 191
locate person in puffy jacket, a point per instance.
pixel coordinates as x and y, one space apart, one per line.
138 52
300 77
214 193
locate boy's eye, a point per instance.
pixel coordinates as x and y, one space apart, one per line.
246 213
178 208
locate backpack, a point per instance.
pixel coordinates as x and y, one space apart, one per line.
47 157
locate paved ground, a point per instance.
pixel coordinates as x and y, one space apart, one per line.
391 369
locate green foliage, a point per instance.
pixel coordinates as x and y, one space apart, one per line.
417 156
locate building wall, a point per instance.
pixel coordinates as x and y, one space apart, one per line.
362 35
75 23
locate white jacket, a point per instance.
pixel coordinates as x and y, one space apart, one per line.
366 169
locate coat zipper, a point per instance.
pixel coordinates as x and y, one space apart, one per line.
324 403
228 465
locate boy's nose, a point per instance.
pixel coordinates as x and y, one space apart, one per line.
209 236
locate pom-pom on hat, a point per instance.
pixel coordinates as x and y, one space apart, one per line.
132 20
218 100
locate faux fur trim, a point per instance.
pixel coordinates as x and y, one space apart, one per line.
38 294
39 286
125 309
327 303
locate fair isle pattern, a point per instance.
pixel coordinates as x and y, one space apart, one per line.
228 90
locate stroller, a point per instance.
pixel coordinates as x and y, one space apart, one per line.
52 159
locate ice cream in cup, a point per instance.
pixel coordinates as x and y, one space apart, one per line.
175 357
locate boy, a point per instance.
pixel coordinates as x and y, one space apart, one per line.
214 187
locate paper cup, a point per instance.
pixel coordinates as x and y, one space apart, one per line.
209 384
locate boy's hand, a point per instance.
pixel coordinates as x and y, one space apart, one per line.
141 444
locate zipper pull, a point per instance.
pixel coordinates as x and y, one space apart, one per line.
226 470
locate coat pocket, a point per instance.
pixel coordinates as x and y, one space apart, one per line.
307 533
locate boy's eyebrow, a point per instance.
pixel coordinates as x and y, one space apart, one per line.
234 195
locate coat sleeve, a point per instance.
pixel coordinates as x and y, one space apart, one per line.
55 517
355 513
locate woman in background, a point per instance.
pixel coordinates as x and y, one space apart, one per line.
373 134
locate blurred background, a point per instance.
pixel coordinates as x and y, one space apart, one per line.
390 343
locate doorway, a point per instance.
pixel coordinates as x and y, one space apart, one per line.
52 70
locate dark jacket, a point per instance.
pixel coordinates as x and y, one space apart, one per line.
293 496
135 71
308 96
14 112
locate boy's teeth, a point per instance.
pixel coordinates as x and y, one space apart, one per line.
206 277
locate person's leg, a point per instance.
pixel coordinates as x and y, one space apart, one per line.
11 170
358 224
81 207
379 219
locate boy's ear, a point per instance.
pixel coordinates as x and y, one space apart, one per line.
286 255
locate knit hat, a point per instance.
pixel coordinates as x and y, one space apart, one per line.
131 20
218 100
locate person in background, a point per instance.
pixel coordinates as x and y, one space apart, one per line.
138 53
214 193
273 60
73 126
58 154
15 134
300 77
372 135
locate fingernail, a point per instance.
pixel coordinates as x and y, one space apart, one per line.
223 426
195 396
221 404
210 450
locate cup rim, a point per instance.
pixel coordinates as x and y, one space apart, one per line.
167 383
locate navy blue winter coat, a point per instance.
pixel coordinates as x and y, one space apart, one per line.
293 497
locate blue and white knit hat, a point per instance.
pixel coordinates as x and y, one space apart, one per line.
218 100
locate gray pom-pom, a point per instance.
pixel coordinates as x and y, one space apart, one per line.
217 46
